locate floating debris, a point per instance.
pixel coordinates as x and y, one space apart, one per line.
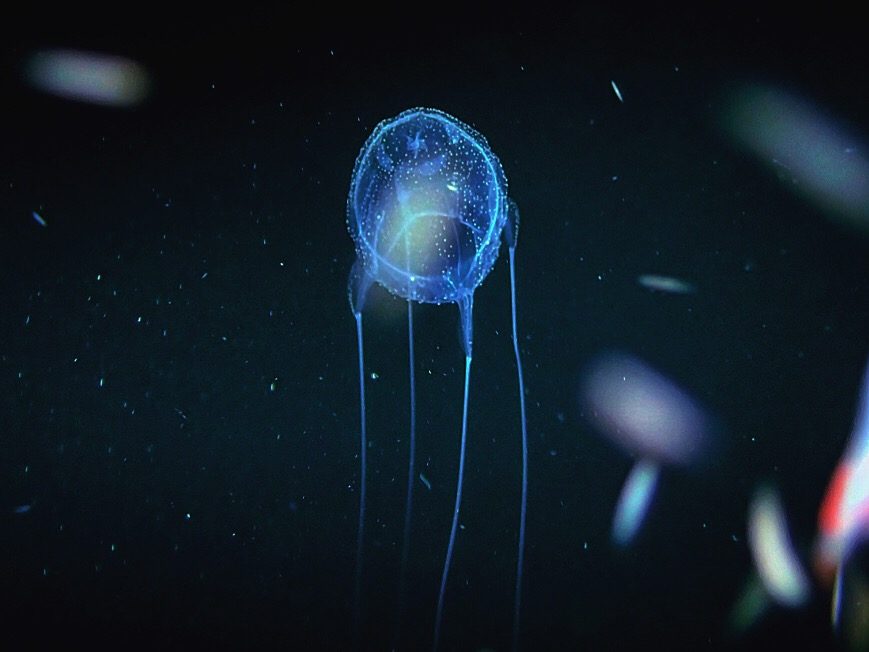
617 91
425 481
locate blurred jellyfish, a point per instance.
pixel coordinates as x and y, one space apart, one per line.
821 160
87 77
843 521
648 416
776 562
634 500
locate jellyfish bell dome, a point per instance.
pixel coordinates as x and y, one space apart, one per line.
427 204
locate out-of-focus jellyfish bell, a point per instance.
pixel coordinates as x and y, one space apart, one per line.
779 576
776 561
648 416
819 157
843 521
105 79
643 411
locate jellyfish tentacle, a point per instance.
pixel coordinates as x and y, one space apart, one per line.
513 229
405 546
360 532
455 524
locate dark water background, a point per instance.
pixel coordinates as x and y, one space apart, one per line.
196 259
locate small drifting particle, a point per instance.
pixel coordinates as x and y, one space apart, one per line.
102 381
204 275
22 509
39 220
617 91
425 481
374 375
669 284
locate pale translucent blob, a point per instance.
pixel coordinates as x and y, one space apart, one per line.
87 77
643 411
669 284
777 564
634 501
810 150
843 520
